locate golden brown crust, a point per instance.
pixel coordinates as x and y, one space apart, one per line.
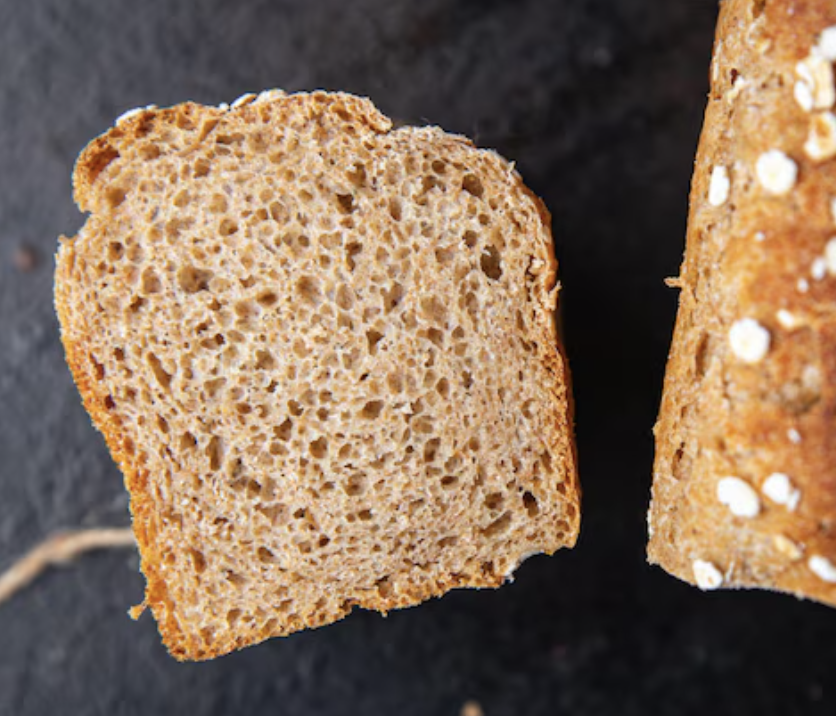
143 508
120 153
753 253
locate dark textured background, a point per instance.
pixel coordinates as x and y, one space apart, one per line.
600 104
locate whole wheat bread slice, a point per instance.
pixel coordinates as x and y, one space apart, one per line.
323 353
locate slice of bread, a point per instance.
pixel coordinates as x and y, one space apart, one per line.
323 352
744 489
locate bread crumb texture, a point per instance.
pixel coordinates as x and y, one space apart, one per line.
745 471
323 352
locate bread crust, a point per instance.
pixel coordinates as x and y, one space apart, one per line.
94 169
755 252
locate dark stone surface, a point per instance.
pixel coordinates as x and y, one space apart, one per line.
600 103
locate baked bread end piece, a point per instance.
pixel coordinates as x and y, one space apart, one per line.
744 484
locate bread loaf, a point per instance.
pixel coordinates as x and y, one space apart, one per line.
323 353
744 485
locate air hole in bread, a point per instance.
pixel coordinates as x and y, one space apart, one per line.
267 299
115 196
191 279
214 451
213 342
355 485
278 212
284 430
150 282
198 559
494 501
232 617
245 310
431 449
319 448
473 185
276 513
395 208
98 368
392 297
308 289
703 354
182 199
265 555
491 264
218 204
372 409
499 525
345 203
227 139
531 504
201 168
149 152
264 360
345 298
432 309
373 337
163 377
228 227
115 251
351 250
357 174
235 579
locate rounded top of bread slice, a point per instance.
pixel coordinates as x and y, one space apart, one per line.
323 353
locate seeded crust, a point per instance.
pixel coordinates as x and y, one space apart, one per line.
323 353
749 258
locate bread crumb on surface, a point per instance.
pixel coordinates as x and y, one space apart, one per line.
718 190
739 496
749 340
823 568
472 708
776 172
706 575
25 259
779 488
